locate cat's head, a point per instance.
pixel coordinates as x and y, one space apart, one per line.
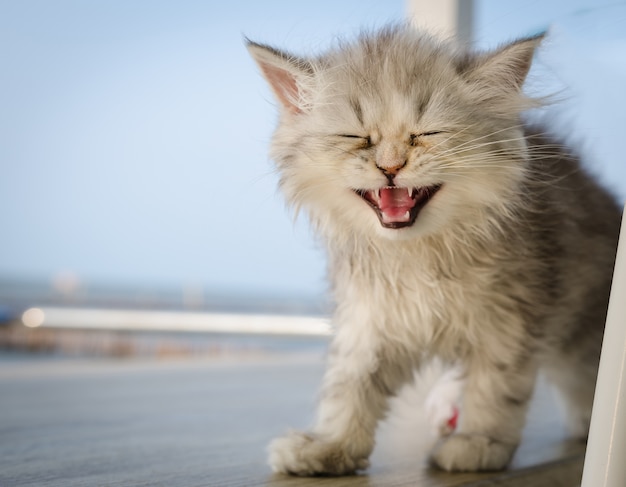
397 134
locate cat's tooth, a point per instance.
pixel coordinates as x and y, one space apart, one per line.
407 216
409 191
377 194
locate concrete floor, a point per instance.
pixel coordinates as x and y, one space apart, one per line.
192 423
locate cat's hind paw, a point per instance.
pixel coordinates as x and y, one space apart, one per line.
307 455
470 453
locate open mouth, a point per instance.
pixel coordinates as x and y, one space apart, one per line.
398 207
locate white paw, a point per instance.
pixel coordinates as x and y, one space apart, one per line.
306 455
442 417
471 453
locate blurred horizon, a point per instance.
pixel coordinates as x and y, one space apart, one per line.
135 134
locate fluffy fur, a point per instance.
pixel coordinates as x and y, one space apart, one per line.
507 267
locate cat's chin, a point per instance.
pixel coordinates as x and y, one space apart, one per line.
417 230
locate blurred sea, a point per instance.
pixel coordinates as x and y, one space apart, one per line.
17 295
16 339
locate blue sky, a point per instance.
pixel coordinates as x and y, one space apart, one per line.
133 135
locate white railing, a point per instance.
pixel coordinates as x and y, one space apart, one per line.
605 459
152 320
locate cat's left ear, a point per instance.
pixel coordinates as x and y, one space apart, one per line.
287 75
505 68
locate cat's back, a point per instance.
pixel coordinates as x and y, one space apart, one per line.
565 196
572 224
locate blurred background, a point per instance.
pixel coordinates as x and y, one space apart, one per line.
134 139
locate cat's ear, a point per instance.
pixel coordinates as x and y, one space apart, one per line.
505 68
287 75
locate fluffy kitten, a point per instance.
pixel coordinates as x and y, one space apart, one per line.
452 229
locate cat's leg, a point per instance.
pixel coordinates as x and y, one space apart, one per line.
575 379
577 399
493 414
354 397
443 401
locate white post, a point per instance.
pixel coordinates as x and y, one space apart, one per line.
605 459
451 19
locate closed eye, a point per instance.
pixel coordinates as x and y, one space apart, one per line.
351 136
365 138
414 137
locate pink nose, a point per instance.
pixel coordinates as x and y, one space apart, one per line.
390 158
391 170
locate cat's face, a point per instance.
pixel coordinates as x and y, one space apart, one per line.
396 136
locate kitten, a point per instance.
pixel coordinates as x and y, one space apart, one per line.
453 230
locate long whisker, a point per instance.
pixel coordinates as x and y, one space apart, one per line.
491 134
467 148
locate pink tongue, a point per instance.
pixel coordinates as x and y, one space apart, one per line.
395 203
395 198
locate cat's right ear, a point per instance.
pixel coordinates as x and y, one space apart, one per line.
287 75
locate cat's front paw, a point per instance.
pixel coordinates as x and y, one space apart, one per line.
307 455
470 453
442 416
